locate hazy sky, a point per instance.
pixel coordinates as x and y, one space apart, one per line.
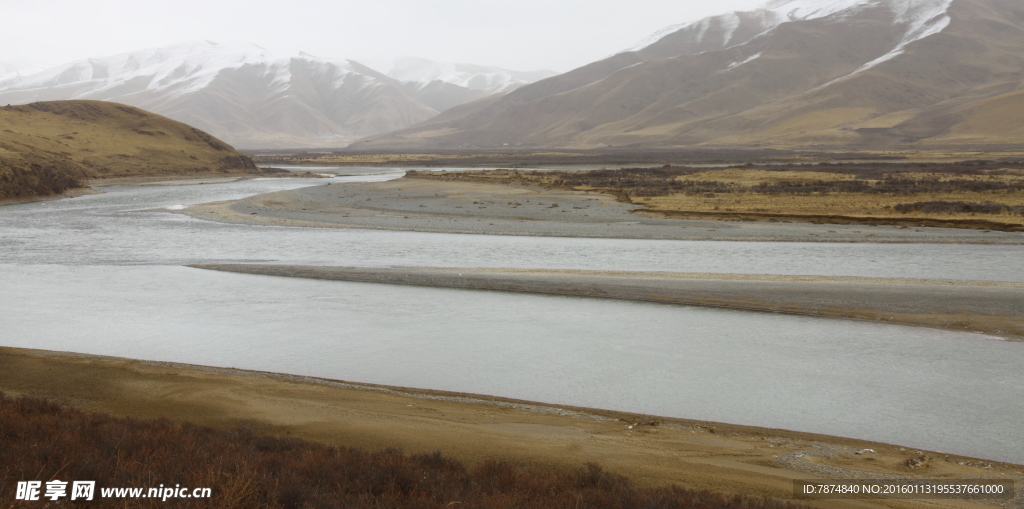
520 34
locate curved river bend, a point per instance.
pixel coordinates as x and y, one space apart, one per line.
99 274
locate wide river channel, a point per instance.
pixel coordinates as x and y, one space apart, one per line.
103 274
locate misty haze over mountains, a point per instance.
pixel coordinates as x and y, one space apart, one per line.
16 69
793 73
442 86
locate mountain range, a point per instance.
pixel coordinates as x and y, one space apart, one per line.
844 74
254 98
791 74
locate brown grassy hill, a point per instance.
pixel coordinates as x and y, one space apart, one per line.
49 147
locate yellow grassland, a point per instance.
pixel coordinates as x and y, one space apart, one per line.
841 204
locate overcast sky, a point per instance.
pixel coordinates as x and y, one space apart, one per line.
519 35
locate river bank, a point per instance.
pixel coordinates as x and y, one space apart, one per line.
70 193
650 450
96 185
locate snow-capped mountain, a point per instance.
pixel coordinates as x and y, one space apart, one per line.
241 93
915 20
791 73
255 98
175 70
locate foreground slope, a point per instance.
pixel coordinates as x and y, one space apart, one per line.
49 147
793 73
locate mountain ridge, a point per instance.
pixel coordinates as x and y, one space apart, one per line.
794 73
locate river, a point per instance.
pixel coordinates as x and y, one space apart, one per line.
103 274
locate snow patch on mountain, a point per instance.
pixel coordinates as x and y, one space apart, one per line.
730 22
704 26
748 60
923 19
796 10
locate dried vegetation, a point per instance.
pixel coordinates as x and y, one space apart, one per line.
44 441
972 194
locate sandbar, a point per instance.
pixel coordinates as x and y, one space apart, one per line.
993 308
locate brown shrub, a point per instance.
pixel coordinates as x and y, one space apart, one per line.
37 180
869 178
959 207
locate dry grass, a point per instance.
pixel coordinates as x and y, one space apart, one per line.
44 441
980 194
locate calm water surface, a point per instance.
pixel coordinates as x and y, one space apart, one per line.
99 274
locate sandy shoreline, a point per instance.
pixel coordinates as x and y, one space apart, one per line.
993 308
714 456
481 208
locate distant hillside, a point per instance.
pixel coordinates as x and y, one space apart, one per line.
846 74
49 147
